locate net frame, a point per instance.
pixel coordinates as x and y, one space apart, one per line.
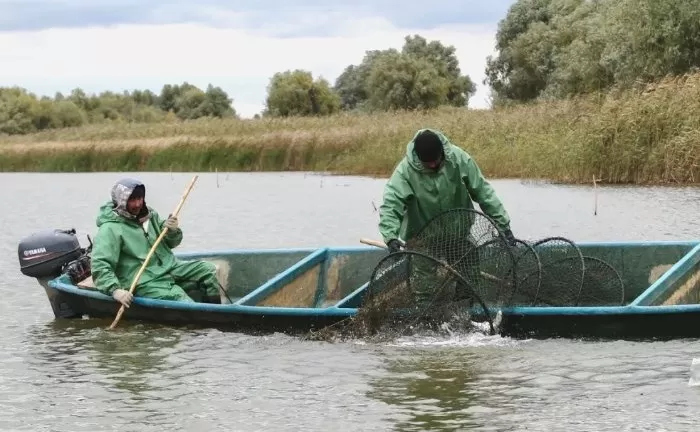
533 266
549 263
433 231
606 273
528 283
404 256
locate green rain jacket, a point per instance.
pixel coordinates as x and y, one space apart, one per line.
122 243
415 194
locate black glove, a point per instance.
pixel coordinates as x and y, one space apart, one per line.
393 245
510 238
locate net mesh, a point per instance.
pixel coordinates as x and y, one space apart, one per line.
602 284
469 242
561 275
461 268
409 290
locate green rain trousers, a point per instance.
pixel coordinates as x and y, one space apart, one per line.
120 248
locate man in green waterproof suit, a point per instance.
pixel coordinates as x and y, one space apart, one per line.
434 176
127 229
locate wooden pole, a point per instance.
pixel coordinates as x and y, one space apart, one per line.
595 195
152 251
375 243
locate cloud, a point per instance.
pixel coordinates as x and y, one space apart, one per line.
18 15
239 60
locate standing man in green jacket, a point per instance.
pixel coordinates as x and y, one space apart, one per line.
434 176
127 229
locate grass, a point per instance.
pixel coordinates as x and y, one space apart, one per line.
649 137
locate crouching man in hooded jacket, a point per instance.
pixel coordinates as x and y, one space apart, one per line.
127 229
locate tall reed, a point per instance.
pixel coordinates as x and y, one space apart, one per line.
650 136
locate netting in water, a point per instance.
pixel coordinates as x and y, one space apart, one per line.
458 268
461 266
409 290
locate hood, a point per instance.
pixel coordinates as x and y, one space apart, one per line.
412 158
115 210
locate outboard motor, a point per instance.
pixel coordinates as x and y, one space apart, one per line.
45 253
48 254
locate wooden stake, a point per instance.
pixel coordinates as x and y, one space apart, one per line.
595 196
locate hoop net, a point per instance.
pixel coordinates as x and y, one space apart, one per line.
461 267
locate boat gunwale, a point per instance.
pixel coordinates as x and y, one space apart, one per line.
363 248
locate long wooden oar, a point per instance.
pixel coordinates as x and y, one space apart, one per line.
153 249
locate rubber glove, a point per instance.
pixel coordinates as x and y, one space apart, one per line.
393 245
171 223
510 238
123 296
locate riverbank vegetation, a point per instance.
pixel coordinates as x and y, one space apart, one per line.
580 89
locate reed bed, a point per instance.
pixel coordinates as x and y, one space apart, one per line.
649 136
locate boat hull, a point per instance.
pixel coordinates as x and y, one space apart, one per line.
627 322
302 290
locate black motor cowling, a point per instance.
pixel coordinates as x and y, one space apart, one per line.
44 254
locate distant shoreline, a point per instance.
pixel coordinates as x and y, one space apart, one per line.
632 138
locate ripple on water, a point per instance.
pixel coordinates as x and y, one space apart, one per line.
80 377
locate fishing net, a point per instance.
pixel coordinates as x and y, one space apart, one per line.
561 274
602 284
468 241
554 272
409 290
528 273
460 268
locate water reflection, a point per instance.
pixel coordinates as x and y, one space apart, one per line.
540 385
131 359
433 388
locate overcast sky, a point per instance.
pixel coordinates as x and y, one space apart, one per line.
57 45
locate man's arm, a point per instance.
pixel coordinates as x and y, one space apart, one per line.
396 193
482 192
173 238
104 257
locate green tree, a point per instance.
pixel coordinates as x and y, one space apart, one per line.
296 93
559 48
351 85
18 111
218 103
360 86
22 112
444 60
406 82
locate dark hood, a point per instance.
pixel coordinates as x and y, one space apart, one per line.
412 157
121 191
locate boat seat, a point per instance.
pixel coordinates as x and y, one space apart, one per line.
87 284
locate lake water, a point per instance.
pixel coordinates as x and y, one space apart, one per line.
79 377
